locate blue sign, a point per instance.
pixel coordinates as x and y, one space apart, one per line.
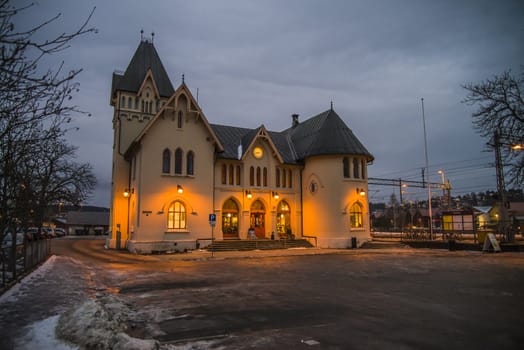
212 217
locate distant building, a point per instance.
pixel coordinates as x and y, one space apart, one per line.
172 168
84 222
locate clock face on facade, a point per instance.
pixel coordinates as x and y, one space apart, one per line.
258 152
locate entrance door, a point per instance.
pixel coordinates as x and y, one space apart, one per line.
230 220
258 219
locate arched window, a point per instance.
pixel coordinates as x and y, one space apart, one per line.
136 102
345 163
363 167
290 178
252 176
179 120
277 177
224 174
264 176
176 216
166 161
258 176
231 174
355 216
123 103
239 172
157 106
129 103
283 218
143 106
178 161
356 170
230 219
190 163
284 178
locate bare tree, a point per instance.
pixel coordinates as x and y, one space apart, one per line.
500 113
36 164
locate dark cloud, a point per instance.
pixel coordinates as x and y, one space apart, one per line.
257 62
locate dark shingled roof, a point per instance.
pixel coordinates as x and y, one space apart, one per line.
323 134
145 57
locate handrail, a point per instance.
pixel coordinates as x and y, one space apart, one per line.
311 237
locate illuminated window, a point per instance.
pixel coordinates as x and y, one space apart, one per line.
283 218
166 161
230 218
355 216
176 216
178 161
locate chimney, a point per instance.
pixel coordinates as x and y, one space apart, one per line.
294 117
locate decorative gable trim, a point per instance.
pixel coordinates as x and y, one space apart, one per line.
263 134
149 75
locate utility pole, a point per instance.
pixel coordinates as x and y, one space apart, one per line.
427 171
501 188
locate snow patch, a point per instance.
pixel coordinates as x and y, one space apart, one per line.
101 324
41 335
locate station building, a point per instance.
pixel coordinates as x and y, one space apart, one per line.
172 168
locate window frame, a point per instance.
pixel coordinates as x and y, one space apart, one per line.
356 216
177 219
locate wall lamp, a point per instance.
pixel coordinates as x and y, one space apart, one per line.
248 194
179 189
275 195
128 192
361 192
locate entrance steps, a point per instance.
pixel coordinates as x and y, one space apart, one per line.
257 244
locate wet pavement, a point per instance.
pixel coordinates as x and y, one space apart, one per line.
386 298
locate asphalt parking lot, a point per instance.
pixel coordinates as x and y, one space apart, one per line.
351 299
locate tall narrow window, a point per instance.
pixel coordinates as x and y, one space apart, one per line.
190 166
356 169
264 175
179 120
136 102
355 216
238 174
176 216
178 161
258 176
166 161
251 176
363 169
284 178
143 106
345 165
290 178
277 177
224 174
129 103
231 175
123 103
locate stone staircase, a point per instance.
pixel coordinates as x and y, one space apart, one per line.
257 244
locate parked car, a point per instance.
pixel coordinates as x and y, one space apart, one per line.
34 233
60 232
49 232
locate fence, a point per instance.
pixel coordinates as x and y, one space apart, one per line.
16 261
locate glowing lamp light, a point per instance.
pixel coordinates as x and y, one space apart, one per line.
275 195
518 147
179 189
361 192
128 192
249 195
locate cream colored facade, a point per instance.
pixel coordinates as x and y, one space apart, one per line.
175 169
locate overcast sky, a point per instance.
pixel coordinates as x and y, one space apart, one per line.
258 62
